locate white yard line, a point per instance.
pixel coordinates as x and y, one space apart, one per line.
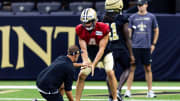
30 99
98 87
8 91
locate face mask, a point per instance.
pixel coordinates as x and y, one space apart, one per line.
89 28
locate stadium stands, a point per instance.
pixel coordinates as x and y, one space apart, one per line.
79 6
47 7
27 13
5 13
100 6
71 7
62 13
22 6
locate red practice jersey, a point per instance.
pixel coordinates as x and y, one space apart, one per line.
93 37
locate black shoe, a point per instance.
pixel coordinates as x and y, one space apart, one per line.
119 97
110 98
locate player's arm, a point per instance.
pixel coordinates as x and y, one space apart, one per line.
77 65
127 35
102 45
84 55
156 35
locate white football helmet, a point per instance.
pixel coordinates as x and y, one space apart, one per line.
88 15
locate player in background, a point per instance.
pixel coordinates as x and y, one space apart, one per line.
93 39
120 41
142 25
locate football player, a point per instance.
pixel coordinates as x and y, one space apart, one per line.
93 39
120 41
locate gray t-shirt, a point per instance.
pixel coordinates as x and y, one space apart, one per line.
142 28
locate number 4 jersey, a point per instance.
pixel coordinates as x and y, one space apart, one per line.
93 38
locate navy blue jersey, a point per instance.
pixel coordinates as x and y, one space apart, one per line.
51 78
116 35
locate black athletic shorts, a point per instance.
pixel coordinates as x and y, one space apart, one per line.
121 57
142 56
52 97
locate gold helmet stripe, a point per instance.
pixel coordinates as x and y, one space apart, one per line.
86 13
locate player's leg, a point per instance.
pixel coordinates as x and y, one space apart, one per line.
109 90
148 76
124 76
131 77
132 70
148 72
113 82
130 81
108 63
121 57
124 60
80 82
61 89
52 97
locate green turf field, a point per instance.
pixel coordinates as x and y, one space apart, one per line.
169 92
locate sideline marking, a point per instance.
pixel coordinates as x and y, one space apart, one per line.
30 99
8 91
98 87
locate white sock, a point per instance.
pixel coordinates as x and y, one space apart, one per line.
150 91
115 100
127 90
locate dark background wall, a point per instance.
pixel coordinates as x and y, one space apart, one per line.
163 6
166 58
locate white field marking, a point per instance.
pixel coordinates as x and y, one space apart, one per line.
8 91
19 99
30 99
98 87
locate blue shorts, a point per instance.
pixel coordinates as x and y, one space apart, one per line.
142 56
121 57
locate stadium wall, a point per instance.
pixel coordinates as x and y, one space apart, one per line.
29 44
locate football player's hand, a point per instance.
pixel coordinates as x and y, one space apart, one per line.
85 66
86 63
132 60
152 48
92 69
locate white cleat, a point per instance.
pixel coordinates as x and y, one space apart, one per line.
127 93
151 94
34 100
